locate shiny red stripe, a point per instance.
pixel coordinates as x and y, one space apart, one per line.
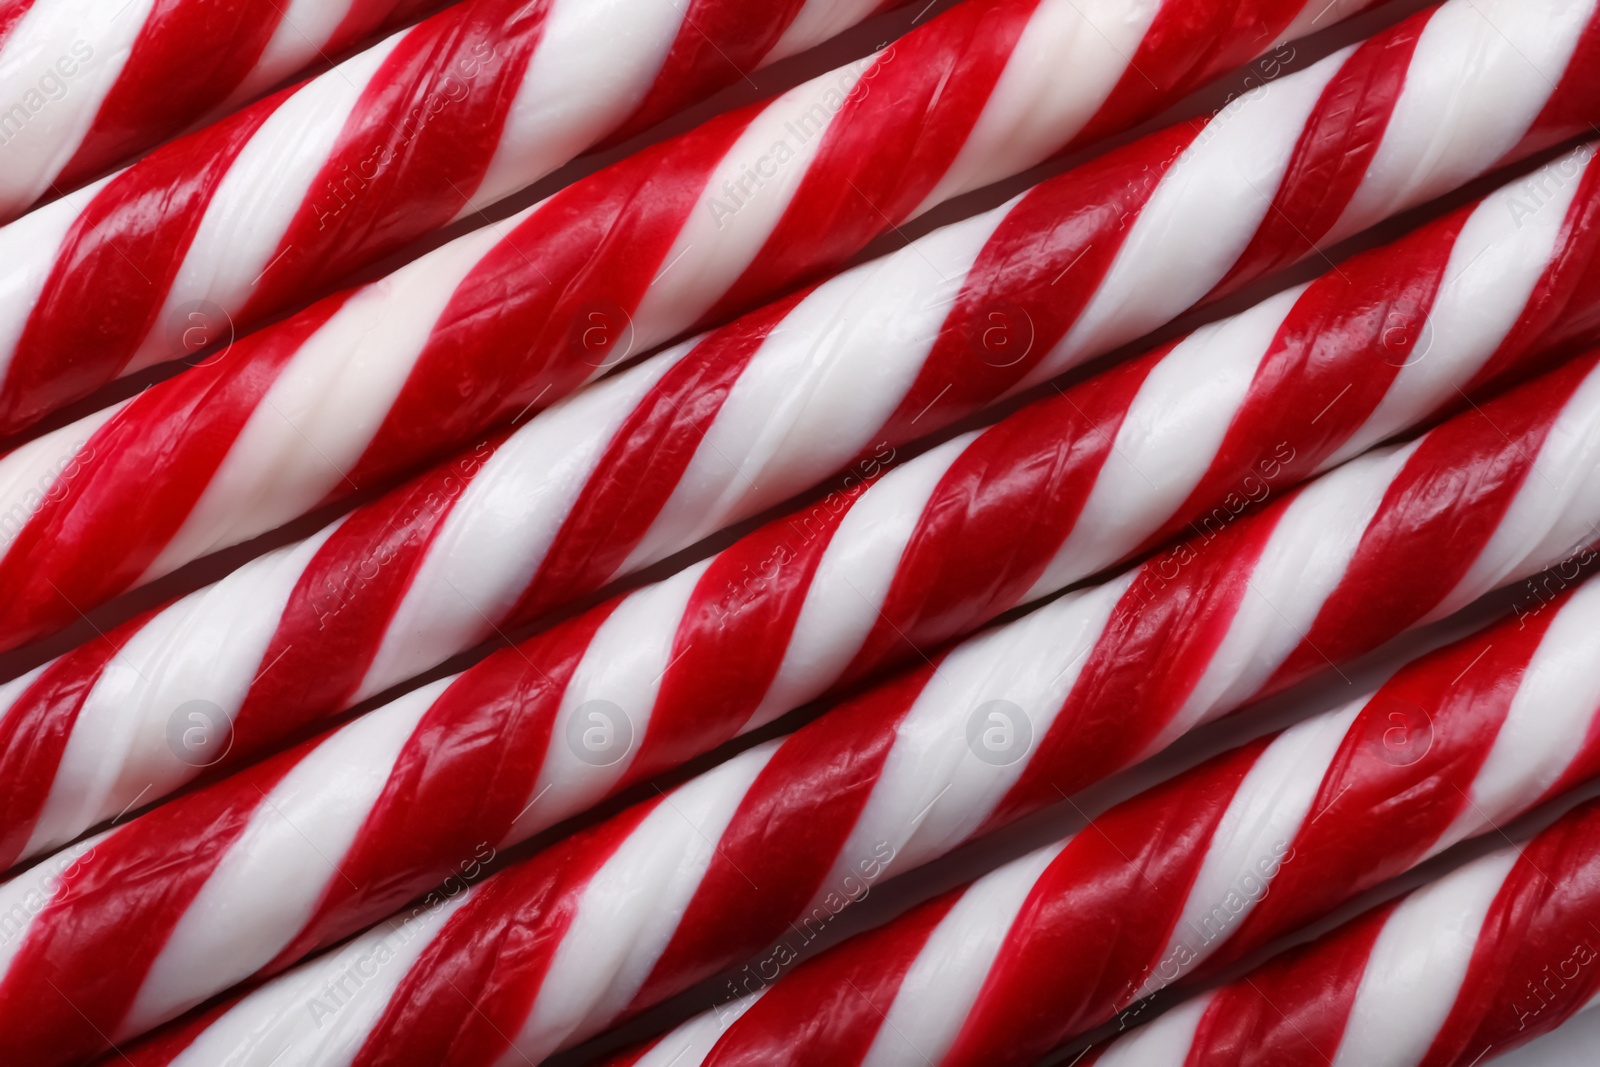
1339 140
163 1046
10 14
62 996
105 520
114 269
344 602
886 145
1399 781
1293 1012
414 150
999 516
643 463
1188 43
1537 960
733 634
551 303
35 730
490 728
828 1012
367 17
1433 522
469 993
1154 649
1032 280
1096 921
719 43
787 836
1570 110
187 59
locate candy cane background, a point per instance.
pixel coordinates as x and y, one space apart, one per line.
86 85
1196 872
1302 382
270 208
1088 684
1459 972
371 383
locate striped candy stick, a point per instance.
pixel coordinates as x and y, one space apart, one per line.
269 209
88 85
1457 973
362 387
551 728
722 427
1200 870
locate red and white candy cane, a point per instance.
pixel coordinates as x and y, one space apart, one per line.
1457 973
500 535
87 86
1197 872
316 842
269 208
372 383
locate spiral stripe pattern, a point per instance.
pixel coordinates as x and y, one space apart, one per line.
1194 873
371 383
720 428
1093 682
87 87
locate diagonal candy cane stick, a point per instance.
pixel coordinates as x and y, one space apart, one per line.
1305 380
268 209
372 383
1209 866
324 837
87 85
1455 974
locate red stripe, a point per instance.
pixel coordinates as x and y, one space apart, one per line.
367 17
828 1012
1537 960
1433 522
114 269
344 602
885 146
788 834
1399 781
642 465
1293 1012
999 516
719 43
1570 110
1032 280
105 520
469 993
11 13
187 59
163 1046
733 634
414 150
1189 43
491 728
1326 371
551 302
62 997
36 728
1337 145
1096 921
1153 650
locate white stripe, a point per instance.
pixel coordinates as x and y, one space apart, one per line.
692 1042
1167 1040
29 248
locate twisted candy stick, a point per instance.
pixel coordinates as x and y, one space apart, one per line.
1457 973
358 388
1200 870
1105 676
494 539
89 85
268 209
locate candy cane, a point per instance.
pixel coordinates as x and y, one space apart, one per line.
373 382
493 539
267 210
86 85
997 728
1457 973
1202 869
